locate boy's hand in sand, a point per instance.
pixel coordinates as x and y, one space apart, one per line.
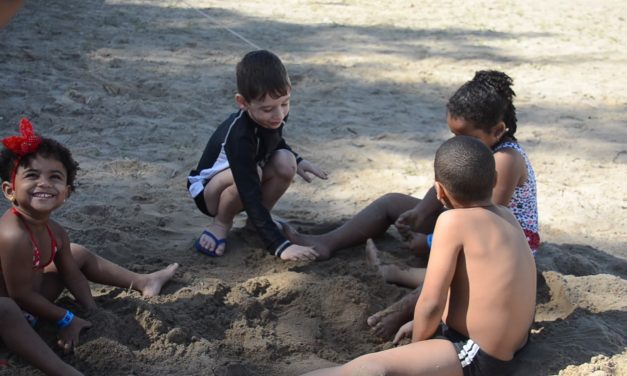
404 332
305 167
68 336
299 253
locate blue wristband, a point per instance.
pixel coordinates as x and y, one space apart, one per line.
66 320
429 240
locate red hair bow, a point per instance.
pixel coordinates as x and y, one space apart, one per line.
27 143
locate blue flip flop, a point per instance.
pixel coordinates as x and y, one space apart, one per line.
204 250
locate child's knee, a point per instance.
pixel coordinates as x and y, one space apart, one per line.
78 250
392 197
284 164
323 254
286 172
365 365
8 307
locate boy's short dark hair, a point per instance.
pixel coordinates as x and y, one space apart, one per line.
262 73
465 167
48 148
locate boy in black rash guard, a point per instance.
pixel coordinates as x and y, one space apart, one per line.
247 164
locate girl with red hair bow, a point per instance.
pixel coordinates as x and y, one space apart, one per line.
37 260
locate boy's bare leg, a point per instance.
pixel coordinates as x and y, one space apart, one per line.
18 336
222 200
386 322
370 222
410 277
432 357
99 270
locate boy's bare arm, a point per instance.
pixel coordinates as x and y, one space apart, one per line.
440 271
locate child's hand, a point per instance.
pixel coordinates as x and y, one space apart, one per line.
404 332
407 222
68 336
305 166
403 223
299 253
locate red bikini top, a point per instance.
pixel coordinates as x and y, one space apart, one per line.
37 252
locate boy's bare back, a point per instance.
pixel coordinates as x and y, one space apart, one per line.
493 286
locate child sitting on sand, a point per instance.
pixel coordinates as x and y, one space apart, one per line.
482 108
37 260
18 336
476 243
247 165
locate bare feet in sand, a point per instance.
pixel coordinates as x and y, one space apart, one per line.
386 322
391 273
151 284
217 245
306 240
372 259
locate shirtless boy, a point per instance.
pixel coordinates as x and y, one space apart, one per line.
478 299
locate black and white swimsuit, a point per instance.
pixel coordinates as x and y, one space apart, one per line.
475 361
239 143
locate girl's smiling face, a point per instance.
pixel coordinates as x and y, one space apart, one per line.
41 186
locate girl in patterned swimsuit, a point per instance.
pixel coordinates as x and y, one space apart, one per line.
472 111
37 260
482 108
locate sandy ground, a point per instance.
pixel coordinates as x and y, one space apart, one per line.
135 88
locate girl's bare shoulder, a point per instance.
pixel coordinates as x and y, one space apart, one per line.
11 233
508 156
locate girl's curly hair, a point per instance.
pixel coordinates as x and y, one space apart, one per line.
485 100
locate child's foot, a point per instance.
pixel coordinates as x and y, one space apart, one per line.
372 256
306 240
153 282
372 259
386 322
216 244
